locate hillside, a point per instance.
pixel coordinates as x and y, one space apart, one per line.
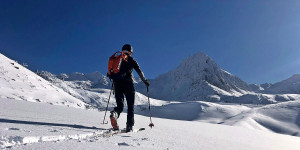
19 83
281 118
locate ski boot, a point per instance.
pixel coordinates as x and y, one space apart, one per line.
128 128
113 120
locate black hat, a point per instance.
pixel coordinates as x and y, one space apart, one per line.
127 47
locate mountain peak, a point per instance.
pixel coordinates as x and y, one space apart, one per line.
197 61
197 77
297 76
292 79
198 57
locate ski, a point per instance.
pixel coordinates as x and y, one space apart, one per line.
111 132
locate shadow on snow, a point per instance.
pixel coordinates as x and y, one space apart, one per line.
47 124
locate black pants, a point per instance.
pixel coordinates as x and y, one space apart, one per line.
125 88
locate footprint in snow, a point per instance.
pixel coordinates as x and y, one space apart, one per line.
54 130
123 144
13 129
125 136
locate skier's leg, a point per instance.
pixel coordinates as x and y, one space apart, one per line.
130 98
119 100
120 105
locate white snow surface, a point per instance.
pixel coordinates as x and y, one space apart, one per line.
27 125
280 118
17 82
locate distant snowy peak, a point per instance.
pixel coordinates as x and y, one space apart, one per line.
288 86
295 79
198 77
196 61
260 87
98 79
201 67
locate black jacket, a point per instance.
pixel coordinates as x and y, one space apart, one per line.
126 69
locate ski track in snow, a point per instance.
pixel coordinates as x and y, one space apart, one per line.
8 142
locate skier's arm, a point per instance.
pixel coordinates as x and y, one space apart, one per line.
140 72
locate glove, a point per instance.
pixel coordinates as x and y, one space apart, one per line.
147 83
108 76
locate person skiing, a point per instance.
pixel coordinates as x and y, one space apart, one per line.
123 85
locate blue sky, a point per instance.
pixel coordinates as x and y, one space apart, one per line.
257 40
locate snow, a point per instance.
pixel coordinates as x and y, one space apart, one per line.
17 82
55 114
55 127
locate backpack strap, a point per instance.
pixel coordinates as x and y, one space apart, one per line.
122 54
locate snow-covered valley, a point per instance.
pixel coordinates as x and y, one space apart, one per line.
49 113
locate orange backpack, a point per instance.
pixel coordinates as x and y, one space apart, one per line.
115 62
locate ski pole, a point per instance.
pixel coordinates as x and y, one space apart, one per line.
108 103
151 124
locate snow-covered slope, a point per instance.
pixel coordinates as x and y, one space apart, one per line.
198 77
17 82
58 127
196 111
288 86
258 98
281 118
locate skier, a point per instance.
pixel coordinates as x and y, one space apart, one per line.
123 84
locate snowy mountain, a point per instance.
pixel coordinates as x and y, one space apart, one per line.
17 82
260 87
288 86
81 88
198 77
97 79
